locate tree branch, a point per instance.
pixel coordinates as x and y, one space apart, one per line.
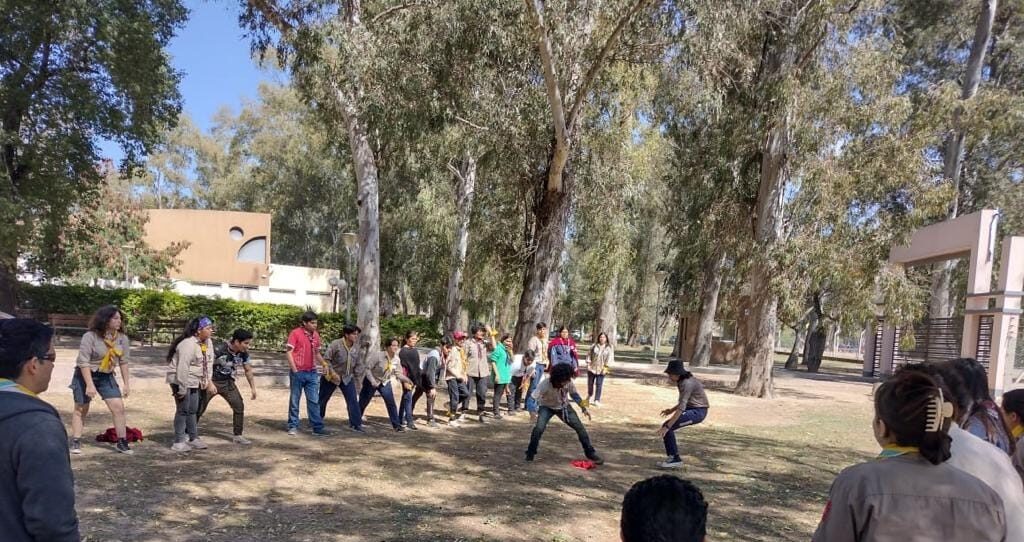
272 14
536 9
455 171
588 79
477 126
387 12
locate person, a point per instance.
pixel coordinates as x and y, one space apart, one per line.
911 492
690 409
974 455
501 373
522 369
532 380
305 365
381 369
553 394
227 359
37 493
409 357
479 369
984 419
1013 406
562 349
599 362
539 344
663 509
430 369
104 347
188 371
346 368
455 378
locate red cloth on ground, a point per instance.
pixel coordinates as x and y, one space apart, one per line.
132 434
584 464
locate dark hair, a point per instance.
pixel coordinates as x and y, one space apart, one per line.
22 339
1013 401
561 329
902 402
560 374
975 381
607 341
447 341
473 329
349 329
101 319
664 509
530 354
676 367
411 333
308 316
505 337
541 325
241 335
392 339
191 330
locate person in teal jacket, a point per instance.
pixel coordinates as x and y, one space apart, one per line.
501 372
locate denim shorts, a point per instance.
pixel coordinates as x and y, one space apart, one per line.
106 386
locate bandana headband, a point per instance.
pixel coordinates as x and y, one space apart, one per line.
205 321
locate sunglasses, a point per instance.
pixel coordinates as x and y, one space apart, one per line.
52 358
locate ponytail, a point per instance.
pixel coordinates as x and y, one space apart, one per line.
191 330
914 409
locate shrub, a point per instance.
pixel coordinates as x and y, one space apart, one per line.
270 323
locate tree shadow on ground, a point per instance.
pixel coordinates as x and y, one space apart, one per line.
464 484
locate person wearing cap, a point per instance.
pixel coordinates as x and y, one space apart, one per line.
456 380
691 409
37 487
189 361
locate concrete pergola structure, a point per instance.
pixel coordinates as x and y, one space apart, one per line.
973 237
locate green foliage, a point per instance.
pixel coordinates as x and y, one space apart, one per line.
270 323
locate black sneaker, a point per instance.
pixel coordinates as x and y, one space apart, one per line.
529 457
412 427
598 460
400 429
122 447
76 446
323 433
358 430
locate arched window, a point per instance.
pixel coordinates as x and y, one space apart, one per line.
254 250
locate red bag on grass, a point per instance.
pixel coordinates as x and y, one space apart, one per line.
132 434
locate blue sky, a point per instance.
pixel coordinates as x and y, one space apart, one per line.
213 55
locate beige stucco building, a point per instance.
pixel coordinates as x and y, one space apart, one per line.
228 256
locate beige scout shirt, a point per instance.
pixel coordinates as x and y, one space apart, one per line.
540 347
190 365
455 368
907 499
379 369
476 357
601 358
93 350
552 397
344 360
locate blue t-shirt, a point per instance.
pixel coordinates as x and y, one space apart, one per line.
225 362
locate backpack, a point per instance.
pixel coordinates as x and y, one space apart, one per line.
561 353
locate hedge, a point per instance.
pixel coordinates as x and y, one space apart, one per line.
269 322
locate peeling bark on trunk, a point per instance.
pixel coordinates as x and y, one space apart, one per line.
798 342
817 337
466 176
708 307
607 313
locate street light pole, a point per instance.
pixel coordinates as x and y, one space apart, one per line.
660 277
124 250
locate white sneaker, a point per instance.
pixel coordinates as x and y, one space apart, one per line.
239 439
670 464
597 404
180 447
197 444
292 431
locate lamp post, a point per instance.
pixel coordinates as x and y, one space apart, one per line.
660 277
351 243
335 283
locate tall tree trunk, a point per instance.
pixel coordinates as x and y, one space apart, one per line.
798 342
466 177
368 272
708 307
607 313
8 280
543 266
952 161
814 347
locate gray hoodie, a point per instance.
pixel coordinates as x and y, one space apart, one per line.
37 493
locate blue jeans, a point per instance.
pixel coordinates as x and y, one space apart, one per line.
386 393
355 414
594 380
690 416
405 408
307 382
538 373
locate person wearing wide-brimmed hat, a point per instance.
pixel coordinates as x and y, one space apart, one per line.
691 409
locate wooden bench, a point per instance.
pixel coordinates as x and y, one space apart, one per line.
78 323
164 327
